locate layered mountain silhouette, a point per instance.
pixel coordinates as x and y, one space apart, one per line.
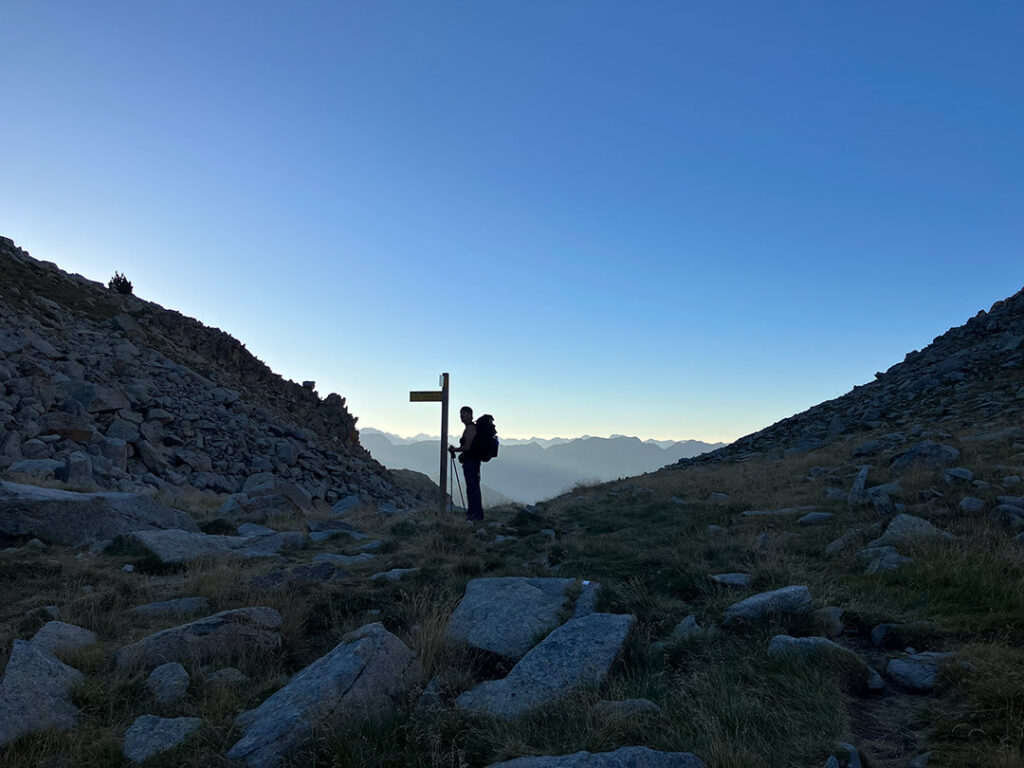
528 471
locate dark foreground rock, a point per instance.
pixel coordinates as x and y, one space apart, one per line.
228 633
624 757
66 517
35 694
576 655
506 615
365 675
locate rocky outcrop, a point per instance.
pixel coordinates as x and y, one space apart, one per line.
35 693
66 517
123 394
577 655
366 674
507 615
959 378
228 633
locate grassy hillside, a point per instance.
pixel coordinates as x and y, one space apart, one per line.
722 696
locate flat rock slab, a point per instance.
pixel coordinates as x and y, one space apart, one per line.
576 655
365 675
181 606
907 530
150 735
35 693
624 757
56 637
506 615
779 602
228 633
66 517
186 546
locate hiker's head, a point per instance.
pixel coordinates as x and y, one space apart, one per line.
466 414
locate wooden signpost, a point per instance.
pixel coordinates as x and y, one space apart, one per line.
434 396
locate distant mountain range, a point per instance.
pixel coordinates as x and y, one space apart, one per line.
530 470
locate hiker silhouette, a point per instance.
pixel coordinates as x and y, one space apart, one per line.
470 456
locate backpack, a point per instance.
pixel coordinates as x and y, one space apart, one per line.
485 444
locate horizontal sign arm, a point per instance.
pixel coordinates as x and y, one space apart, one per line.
425 397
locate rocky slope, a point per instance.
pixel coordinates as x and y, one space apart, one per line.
967 377
103 389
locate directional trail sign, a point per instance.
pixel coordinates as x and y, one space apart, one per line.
434 396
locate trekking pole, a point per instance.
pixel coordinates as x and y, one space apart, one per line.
456 474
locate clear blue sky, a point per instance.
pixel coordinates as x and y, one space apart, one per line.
674 220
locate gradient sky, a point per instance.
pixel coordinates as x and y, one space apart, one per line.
674 220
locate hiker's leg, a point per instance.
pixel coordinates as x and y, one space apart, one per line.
475 510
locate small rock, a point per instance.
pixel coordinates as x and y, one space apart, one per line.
168 682
815 518
908 530
58 638
226 676
430 699
957 474
882 559
128 568
785 601
686 629
733 580
972 505
394 574
921 761
917 672
150 735
586 603
341 560
35 693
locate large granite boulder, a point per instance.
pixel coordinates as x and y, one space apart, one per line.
576 655
228 633
778 602
366 674
624 757
186 546
66 517
507 615
265 495
35 693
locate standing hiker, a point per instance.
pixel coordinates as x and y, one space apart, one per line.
479 442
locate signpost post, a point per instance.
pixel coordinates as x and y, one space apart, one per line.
433 396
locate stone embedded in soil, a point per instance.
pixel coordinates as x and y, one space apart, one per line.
733 580
186 546
780 602
917 672
58 638
228 633
150 735
907 531
181 606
